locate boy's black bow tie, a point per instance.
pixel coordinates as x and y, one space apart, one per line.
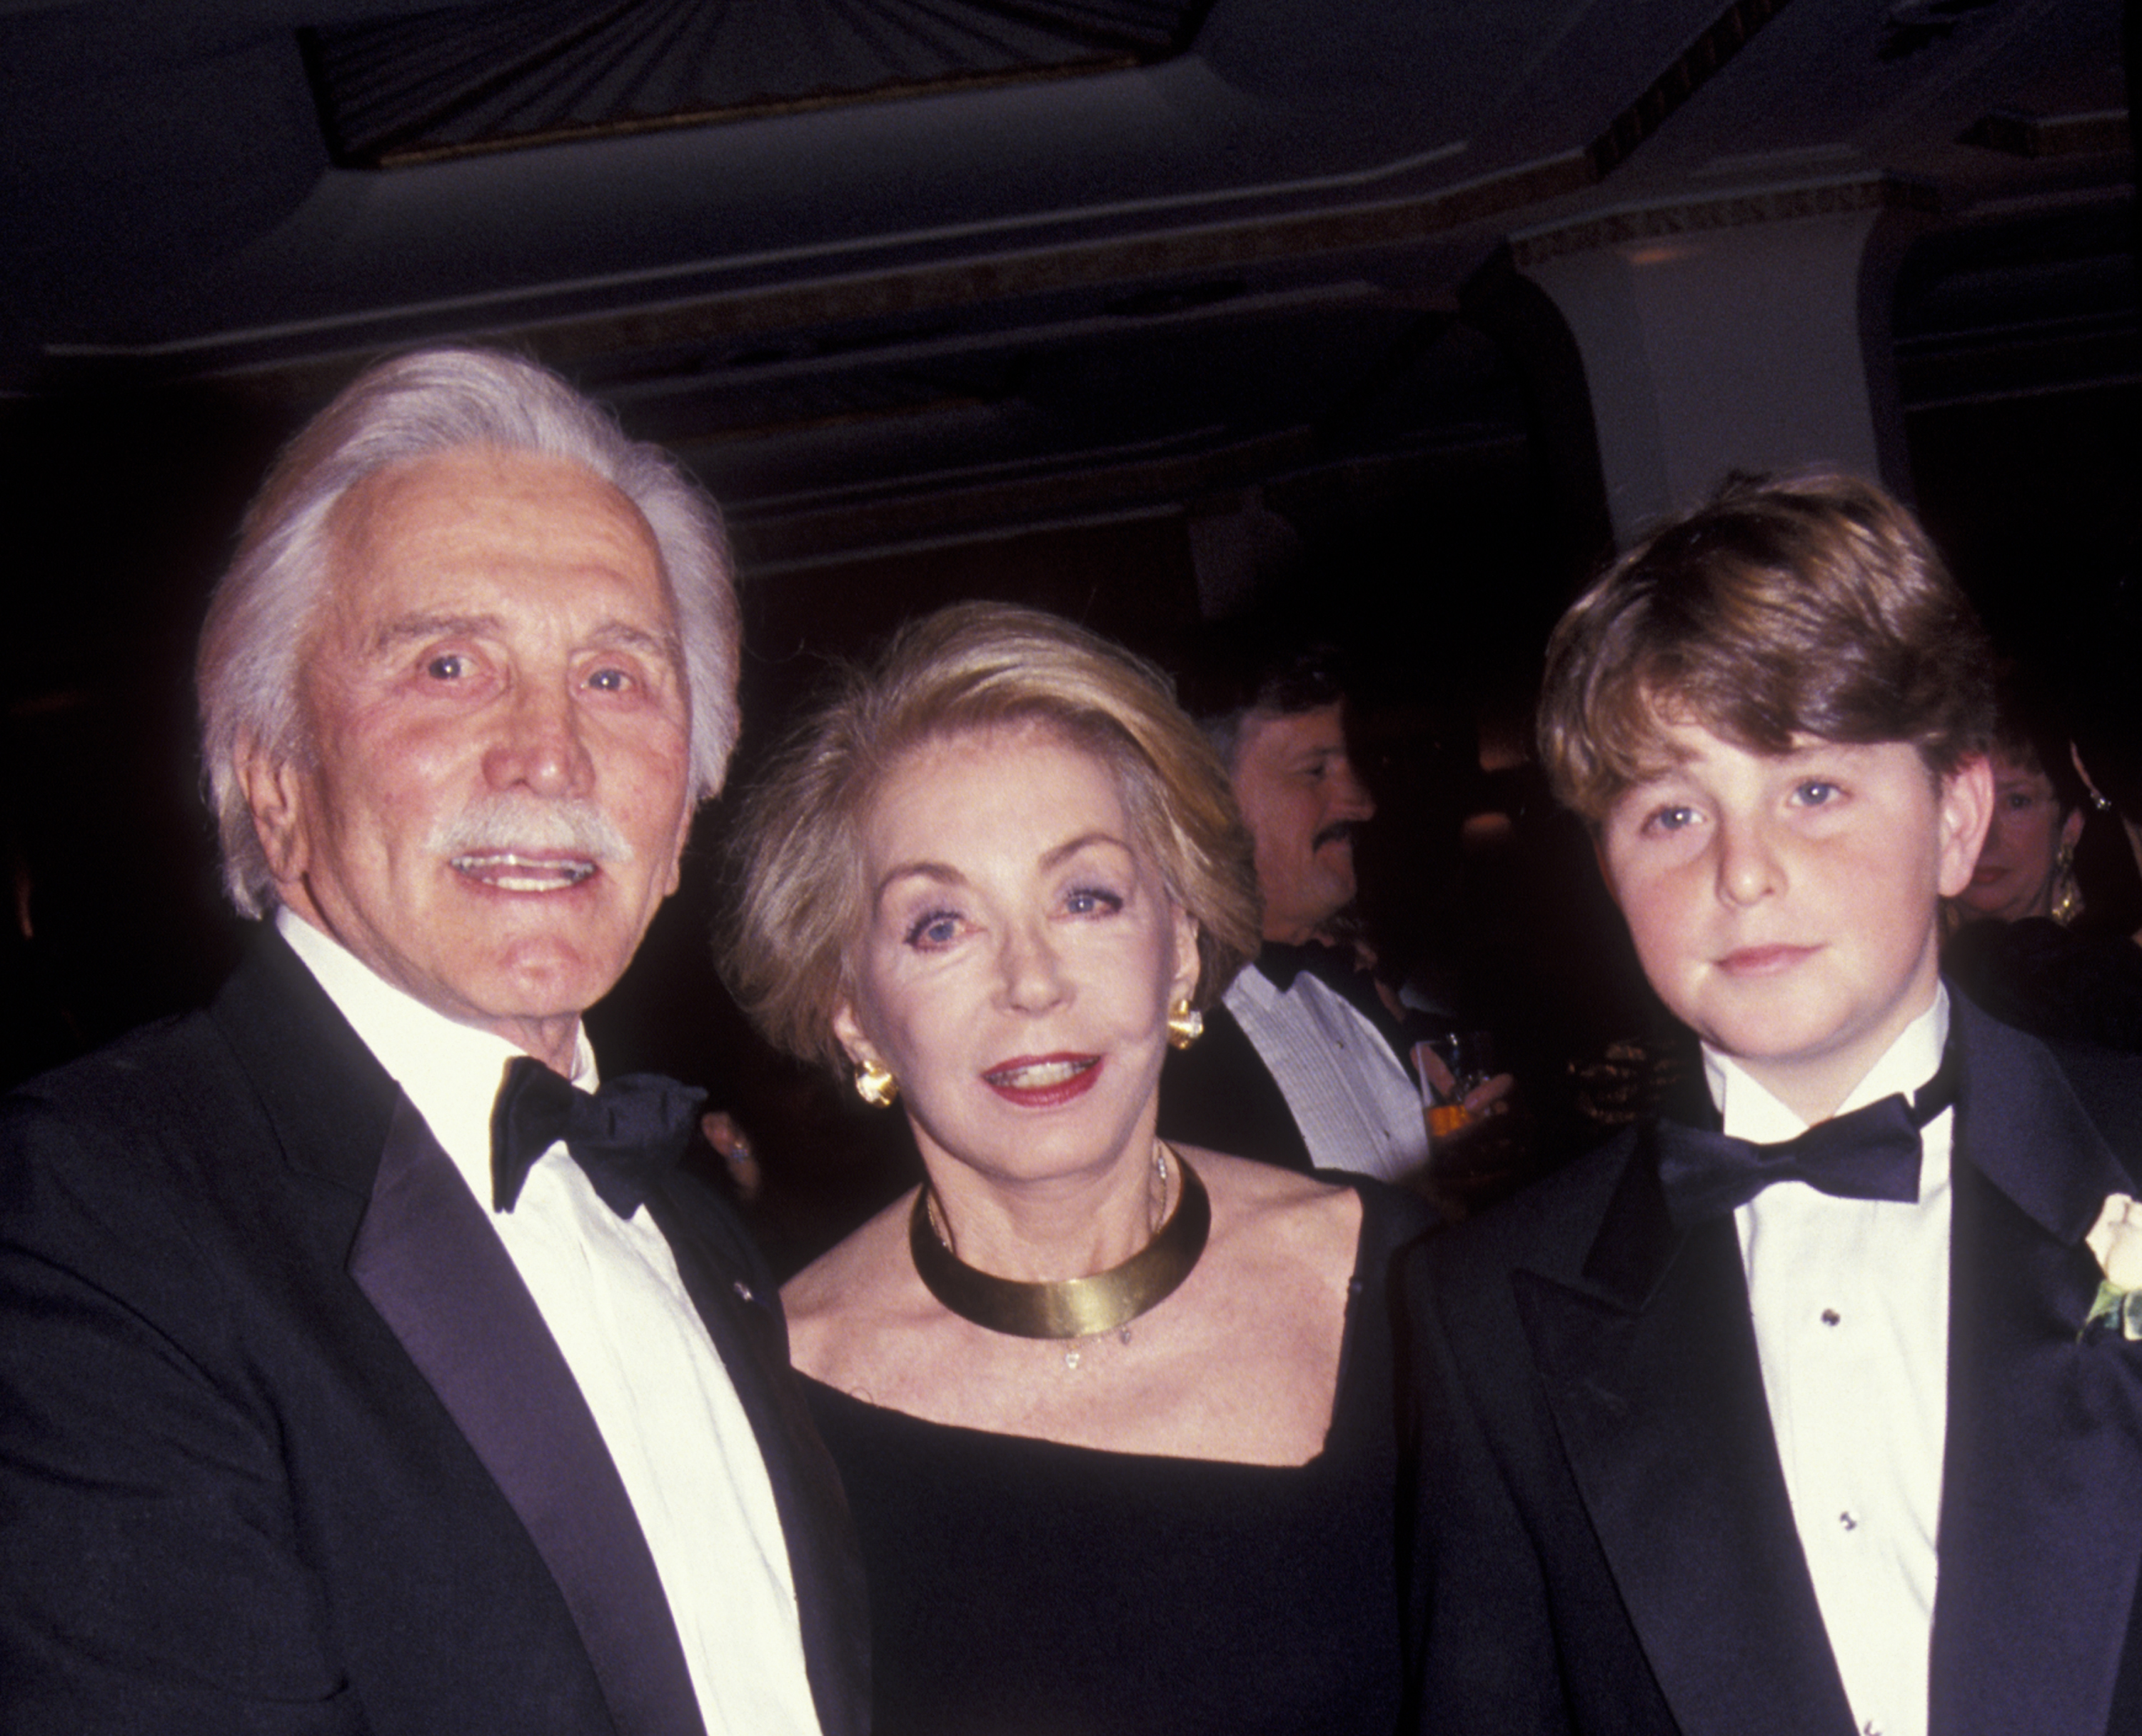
1871 1154
623 1136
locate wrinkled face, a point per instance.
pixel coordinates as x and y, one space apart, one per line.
1021 956
2015 869
1301 801
1786 906
497 798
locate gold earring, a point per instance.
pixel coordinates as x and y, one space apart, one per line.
874 1085
1185 1024
2067 895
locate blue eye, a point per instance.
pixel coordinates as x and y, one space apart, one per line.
1817 792
1672 818
609 680
938 928
1093 901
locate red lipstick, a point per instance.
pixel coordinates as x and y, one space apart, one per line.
1043 1081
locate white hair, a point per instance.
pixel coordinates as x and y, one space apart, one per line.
260 620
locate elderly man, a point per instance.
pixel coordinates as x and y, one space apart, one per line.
329 1399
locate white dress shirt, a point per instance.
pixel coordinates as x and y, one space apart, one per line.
1850 1299
1358 1109
608 1291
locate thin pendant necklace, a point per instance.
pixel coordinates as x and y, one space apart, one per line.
1067 1308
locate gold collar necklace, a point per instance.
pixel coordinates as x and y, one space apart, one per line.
1066 1307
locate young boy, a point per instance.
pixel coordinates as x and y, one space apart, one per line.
1710 1436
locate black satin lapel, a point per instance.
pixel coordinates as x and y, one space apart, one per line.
741 1308
1651 1369
329 1099
2041 1498
1637 1242
445 1285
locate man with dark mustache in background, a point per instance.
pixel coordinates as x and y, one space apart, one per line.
1304 1063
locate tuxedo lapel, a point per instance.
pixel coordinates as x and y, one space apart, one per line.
2041 1501
327 1098
446 1286
430 1265
425 1258
1649 1362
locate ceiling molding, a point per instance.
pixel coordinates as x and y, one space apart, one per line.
892 293
1732 211
2043 135
1049 270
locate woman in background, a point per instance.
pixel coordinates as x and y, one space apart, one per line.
2033 949
1115 1419
2026 867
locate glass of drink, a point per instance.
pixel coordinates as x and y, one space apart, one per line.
1451 1066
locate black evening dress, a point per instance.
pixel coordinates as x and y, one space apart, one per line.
1022 1588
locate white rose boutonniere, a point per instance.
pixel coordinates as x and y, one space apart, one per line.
2116 1240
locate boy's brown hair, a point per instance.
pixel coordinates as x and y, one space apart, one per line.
1810 604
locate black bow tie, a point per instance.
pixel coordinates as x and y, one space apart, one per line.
1282 961
1871 1154
623 1135
1338 969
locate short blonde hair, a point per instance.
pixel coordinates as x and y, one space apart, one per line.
1803 605
799 900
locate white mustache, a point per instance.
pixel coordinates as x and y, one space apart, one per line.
514 821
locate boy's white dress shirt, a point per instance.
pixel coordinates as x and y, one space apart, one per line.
1850 1300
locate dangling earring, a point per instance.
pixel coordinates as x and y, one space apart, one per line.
874 1085
2067 895
1185 1024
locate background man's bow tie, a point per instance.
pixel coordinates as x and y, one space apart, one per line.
1339 969
1871 1154
623 1135
1283 961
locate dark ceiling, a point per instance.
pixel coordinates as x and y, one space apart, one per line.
891 271
1133 298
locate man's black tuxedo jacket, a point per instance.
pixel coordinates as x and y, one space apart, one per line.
284 1445
1603 1541
1218 1094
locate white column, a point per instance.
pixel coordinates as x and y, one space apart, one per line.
1731 334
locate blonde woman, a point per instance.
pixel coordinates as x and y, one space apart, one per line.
1114 1417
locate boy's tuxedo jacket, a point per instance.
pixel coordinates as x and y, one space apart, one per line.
284 1444
1603 1540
